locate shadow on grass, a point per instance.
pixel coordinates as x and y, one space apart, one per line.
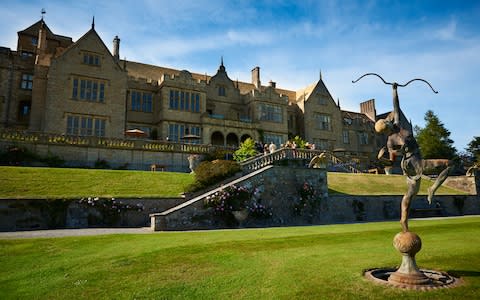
463 273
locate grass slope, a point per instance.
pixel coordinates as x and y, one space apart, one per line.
371 184
316 262
41 183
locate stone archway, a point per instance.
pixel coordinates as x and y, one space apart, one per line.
232 140
217 139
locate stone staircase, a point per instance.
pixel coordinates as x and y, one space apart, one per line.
251 168
158 220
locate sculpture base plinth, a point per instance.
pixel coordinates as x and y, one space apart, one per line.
408 275
437 279
409 279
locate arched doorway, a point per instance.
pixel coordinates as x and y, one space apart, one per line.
217 139
232 140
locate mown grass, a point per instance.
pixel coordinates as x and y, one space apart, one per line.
316 262
371 184
57 183
41 183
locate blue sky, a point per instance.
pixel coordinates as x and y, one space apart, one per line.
292 42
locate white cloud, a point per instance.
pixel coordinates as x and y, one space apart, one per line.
448 32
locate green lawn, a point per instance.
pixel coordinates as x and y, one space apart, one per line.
371 184
315 262
41 183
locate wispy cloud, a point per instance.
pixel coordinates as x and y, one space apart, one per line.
447 32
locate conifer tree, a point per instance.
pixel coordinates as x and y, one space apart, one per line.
474 148
434 140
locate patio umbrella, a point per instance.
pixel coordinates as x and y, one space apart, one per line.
189 138
135 133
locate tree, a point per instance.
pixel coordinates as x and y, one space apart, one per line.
474 148
299 142
434 140
246 150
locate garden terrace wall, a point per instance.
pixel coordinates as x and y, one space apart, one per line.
16 215
30 214
337 209
469 184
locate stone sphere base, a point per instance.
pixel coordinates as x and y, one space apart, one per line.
408 275
436 279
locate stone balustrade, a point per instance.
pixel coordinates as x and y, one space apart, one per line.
99 142
261 161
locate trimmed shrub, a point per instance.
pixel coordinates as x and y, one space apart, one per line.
211 172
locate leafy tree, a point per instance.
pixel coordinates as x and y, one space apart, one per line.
474 148
246 150
434 140
300 142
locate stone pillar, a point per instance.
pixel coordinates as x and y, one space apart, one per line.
158 222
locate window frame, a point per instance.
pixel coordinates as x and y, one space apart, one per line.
323 122
26 82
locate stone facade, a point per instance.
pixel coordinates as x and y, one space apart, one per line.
54 85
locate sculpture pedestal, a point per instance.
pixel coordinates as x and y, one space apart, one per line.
408 244
408 275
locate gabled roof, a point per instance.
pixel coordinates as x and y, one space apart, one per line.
304 94
34 28
85 36
319 86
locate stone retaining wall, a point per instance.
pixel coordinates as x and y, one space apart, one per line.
336 209
469 184
30 214
16 215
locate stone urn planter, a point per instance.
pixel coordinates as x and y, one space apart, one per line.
240 216
193 162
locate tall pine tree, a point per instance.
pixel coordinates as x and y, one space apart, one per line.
434 140
474 148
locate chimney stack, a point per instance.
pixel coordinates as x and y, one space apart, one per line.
368 108
256 77
116 48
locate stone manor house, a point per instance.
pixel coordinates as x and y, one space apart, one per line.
53 85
